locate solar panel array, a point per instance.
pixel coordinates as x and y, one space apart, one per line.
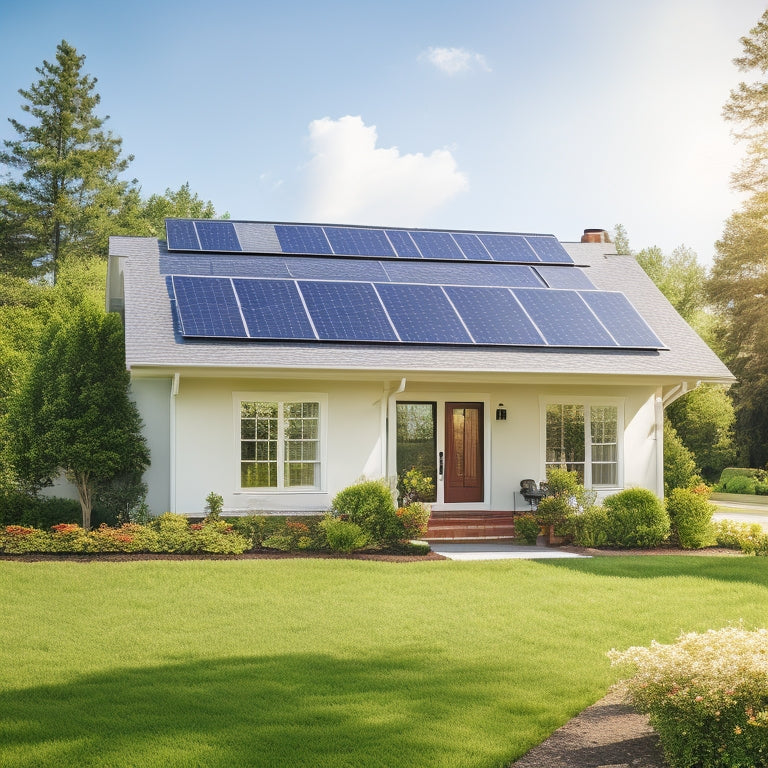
325 240
332 310
307 282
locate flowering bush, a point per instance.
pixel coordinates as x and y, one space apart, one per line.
19 539
707 696
748 537
527 528
414 519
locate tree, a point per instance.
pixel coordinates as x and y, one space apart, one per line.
703 419
66 187
738 287
72 413
680 469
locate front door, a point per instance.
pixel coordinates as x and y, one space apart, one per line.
463 453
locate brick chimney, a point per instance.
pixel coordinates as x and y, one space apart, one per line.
595 236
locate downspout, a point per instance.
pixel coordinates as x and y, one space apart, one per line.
172 452
385 410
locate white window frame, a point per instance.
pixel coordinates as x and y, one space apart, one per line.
238 398
588 403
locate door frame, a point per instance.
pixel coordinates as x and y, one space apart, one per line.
441 398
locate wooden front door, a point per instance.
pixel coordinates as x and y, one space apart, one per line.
463 453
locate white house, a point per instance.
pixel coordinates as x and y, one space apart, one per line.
276 364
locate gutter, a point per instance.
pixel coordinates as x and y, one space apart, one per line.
387 404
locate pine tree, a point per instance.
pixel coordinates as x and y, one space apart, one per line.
64 181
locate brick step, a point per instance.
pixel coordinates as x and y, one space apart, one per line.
455 526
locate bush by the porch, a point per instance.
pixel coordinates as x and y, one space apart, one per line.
369 504
635 517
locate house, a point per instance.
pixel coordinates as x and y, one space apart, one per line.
276 364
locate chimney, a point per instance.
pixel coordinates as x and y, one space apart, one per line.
595 236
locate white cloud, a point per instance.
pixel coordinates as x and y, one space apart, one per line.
453 61
351 180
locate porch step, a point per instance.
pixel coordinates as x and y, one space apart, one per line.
470 526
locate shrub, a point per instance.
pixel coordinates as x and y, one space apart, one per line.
173 533
218 536
369 504
680 469
414 520
527 528
690 516
18 508
214 503
635 518
740 484
21 539
256 528
69 537
590 529
748 537
342 535
707 696
414 485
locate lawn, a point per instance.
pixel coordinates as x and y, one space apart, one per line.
223 663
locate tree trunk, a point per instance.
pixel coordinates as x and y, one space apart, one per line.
84 492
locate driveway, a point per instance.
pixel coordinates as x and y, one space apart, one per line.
741 512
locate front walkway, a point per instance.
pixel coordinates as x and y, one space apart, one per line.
485 550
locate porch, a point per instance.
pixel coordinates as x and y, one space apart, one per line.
471 526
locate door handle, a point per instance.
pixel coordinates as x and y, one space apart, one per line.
440 465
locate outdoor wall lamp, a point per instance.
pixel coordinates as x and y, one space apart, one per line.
501 413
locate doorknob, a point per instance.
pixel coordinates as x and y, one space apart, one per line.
440 465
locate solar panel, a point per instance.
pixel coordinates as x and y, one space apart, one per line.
181 235
472 247
493 316
317 268
273 309
207 307
352 241
436 245
403 244
565 277
621 319
563 318
218 236
548 249
302 238
422 313
508 247
436 273
347 312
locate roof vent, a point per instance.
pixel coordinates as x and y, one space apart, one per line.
595 236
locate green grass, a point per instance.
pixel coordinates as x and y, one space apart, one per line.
220 664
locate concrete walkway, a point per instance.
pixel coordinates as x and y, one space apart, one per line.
486 550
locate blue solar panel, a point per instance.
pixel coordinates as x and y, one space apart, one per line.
508 248
436 245
207 307
351 241
301 238
218 236
494 317
563 318
565 277
548 249
437 273
181 235
403 244
273 309
422 313
472 247
316 268
622 320
347 312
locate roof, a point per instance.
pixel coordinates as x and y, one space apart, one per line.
153 340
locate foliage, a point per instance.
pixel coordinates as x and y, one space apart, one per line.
590 529
635 518
369 504
73 413
290 536
703 419
748 537
553 510
173 532
743 480
19 508
257 528
568 500
414 519
414 485
118 496
690 515
706 694
680 469
66 188
343 535
214 503
527 528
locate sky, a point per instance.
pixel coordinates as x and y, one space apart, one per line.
546 116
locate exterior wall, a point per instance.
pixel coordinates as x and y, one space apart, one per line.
153 399
205 451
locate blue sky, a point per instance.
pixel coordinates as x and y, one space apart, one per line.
547 116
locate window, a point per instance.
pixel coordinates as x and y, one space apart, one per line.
584 438
279 444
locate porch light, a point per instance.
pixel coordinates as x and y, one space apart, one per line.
501 413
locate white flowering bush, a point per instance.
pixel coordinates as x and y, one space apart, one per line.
706 695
